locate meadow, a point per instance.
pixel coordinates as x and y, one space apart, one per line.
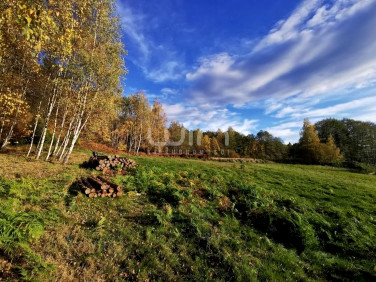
187 220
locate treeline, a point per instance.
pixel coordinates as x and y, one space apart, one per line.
141 127
60 69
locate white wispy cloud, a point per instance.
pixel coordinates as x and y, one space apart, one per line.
169 91
365 105
133 28
158 62
218 65
287 131
168 70
290 28
209 118
367 117
288 135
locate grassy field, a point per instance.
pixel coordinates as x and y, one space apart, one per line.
183 219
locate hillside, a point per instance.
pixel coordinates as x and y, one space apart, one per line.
185 219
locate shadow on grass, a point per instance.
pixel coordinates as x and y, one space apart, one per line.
149 219
73 191
86 165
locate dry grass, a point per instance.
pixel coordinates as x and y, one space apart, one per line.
14 164
93 146
71 253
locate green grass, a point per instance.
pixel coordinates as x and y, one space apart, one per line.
183 219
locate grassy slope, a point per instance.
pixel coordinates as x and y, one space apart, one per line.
190 220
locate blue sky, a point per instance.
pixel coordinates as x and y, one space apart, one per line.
253 64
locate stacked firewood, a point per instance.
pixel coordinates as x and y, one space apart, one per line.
108 163
99 186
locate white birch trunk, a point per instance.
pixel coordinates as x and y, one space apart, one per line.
54 153
74 140
2 128
35 129
50 107
139 141
53 133
78 128
66 140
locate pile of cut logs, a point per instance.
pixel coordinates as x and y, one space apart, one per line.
99 186
103 163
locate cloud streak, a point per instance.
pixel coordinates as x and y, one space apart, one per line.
319 48
166 66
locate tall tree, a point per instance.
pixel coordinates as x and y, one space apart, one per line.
178 136
309 143
330 152
214 145
158 121
206 142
